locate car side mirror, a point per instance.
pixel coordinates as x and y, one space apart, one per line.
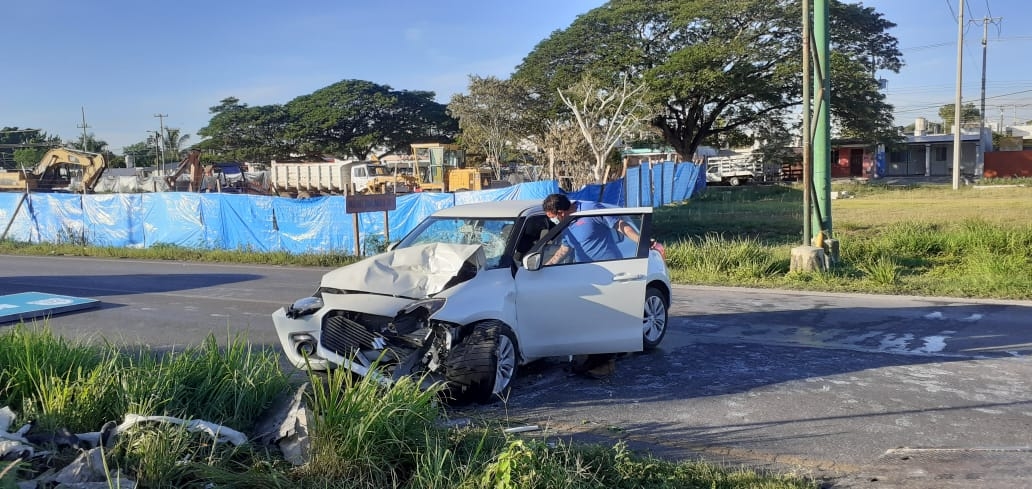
532 262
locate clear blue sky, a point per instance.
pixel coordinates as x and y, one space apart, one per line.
125 61
927 33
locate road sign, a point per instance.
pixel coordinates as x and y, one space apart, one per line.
359 203
31 305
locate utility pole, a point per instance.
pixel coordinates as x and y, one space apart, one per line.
161 137
985 43
957 106
822 127
83 126
807 139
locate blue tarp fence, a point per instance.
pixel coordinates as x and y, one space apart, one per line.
266 223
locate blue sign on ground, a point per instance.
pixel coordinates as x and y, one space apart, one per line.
30 305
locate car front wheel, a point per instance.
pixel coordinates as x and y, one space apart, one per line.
654 322
482 367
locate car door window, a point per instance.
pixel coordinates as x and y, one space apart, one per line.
589 239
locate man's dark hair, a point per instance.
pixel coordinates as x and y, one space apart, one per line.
556 202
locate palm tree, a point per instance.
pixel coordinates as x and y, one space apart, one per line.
174 141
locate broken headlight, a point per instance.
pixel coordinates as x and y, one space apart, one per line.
430 305
304 307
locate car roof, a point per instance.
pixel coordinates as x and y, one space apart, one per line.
494 208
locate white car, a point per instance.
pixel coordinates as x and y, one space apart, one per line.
466 298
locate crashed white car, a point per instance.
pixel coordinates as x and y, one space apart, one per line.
467 298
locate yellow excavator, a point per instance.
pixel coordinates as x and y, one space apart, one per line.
60 170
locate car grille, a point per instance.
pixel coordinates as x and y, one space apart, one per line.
344 336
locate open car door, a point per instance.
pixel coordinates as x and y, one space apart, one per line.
592 301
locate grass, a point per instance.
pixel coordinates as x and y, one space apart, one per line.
363 434
929 240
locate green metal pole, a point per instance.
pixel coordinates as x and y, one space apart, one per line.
822 129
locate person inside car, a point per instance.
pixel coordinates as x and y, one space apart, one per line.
587 239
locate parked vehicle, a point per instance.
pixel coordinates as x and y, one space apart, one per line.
338 177
733 170
442 168
465 299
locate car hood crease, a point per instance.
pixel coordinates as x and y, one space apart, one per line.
416 272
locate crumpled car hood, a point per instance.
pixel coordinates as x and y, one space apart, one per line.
417 272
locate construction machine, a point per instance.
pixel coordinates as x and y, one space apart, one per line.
191 163
442 168
60 170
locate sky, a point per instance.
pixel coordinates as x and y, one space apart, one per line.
124 62
927 31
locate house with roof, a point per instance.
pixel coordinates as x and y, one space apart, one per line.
929 153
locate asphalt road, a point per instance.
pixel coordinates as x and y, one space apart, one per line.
863 391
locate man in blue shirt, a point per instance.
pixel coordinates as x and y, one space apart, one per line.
588 238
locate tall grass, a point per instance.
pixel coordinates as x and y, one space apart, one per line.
925 241
56 382
367 433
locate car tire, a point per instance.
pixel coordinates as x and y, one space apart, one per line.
654 320
734 181
481 368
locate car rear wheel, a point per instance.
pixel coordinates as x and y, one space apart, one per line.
654 321
482 367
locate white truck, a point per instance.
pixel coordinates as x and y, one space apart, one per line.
733 170
335 176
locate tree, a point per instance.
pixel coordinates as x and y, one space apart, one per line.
23 148
604 115
174 141
353 117
142 154
968 114
711 66
491 115
237 132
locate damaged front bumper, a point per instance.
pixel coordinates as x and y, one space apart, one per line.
354 331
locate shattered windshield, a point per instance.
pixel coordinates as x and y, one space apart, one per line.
491 233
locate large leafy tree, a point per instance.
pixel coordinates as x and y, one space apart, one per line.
237 132
714 67
353 117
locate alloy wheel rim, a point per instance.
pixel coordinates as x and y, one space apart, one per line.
505 355
655 318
